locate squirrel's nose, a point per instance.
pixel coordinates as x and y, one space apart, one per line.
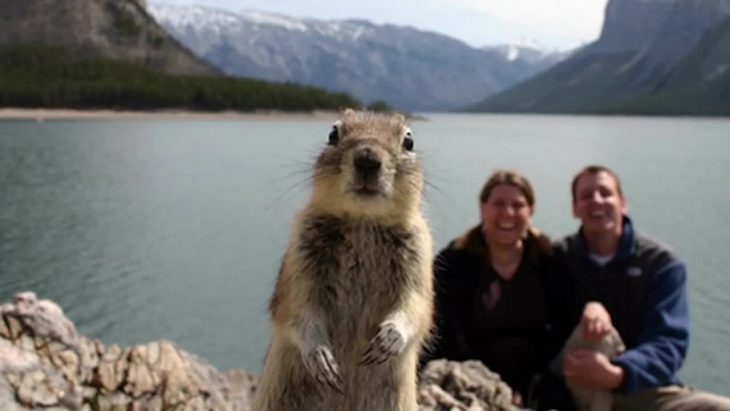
366 161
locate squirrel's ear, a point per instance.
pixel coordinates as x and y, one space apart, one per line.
348 112
400 118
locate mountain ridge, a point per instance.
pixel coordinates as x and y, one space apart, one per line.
411 69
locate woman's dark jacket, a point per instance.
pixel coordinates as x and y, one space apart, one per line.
481 316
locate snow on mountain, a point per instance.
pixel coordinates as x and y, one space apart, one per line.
286 22
201 19
408 68
531 53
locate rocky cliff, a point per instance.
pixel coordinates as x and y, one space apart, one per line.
633 66
631 24
683 28
46 365
113 29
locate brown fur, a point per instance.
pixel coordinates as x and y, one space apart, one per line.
355 284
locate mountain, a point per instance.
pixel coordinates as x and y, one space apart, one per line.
113 54
409 69
653 57
91 29
631 24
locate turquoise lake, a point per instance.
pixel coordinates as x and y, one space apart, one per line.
161 229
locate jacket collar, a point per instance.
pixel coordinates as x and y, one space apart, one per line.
626 247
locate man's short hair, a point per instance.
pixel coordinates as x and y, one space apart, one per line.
594 169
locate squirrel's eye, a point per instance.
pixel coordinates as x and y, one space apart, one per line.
408 142
334 137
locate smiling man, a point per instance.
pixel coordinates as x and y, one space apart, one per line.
612 278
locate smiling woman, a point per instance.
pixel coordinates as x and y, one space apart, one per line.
484 278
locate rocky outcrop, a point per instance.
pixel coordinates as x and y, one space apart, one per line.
468 386
46 365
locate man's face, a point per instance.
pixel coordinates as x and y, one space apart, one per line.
598 204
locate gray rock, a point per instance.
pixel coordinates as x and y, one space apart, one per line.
46 365
468 386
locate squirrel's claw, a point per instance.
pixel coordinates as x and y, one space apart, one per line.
322 365
387 343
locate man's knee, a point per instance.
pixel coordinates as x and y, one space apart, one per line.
703 401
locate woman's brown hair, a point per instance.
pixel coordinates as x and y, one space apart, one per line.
512 178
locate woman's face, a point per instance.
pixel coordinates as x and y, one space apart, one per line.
505 215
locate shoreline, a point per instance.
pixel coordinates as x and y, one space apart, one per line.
42 114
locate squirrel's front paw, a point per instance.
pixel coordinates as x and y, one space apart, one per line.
388 342
322 365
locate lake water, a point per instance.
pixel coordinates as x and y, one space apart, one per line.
147 230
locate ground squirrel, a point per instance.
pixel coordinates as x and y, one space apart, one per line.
353 300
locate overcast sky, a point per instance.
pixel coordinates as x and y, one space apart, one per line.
554 24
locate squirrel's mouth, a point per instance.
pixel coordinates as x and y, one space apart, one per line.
366 186
366 191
